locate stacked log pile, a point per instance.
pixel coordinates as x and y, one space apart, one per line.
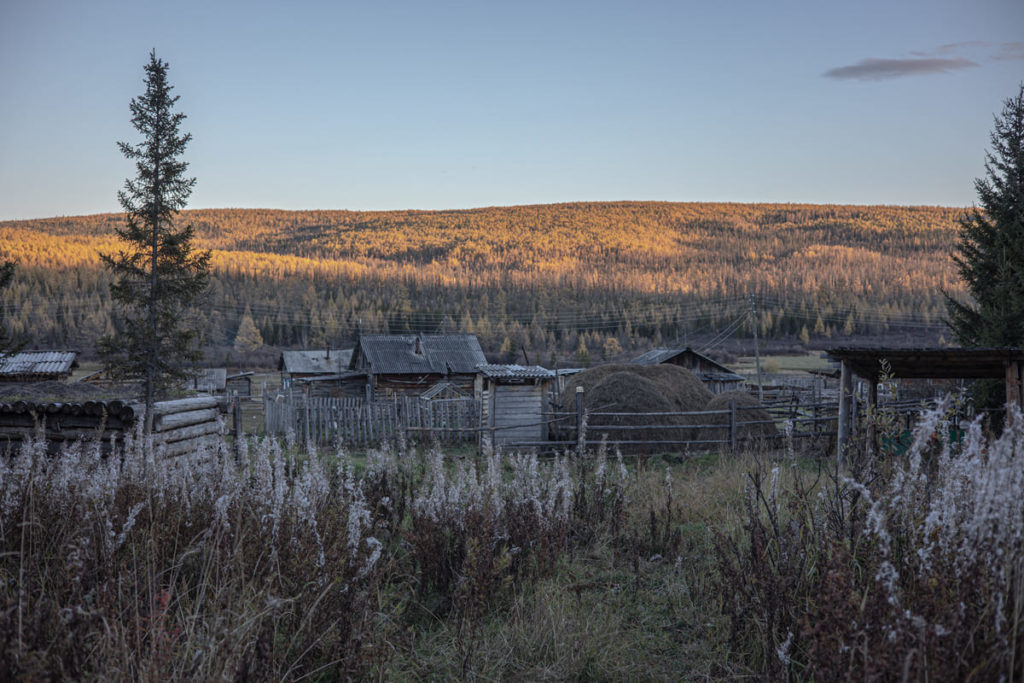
185 425
181 425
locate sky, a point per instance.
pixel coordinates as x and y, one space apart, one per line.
435 105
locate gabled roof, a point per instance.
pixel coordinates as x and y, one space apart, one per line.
318 362
660 355
516 372
37 365
441 389
424 354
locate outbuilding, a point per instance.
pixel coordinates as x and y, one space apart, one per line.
515 403
715 376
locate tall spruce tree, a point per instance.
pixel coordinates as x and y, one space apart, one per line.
990 250
159 273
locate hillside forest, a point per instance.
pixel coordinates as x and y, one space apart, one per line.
579 280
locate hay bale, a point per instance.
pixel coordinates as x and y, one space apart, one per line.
633 397
639 391
748 409
677 385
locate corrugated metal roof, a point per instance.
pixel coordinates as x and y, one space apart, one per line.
516 372
315 362
396 354
38 364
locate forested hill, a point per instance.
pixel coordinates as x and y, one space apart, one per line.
544 277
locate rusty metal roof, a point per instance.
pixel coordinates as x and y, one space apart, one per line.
38 364
930 363
423 354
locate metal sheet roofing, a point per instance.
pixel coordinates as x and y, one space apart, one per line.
930 363
38 364
424 354
516 372
318 362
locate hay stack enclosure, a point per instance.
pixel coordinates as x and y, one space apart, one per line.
747 410
628 388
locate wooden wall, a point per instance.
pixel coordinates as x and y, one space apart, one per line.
516 411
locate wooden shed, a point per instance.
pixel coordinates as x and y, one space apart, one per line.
37 366
515 403
312 363
1004 363
239 384
715 376
410 365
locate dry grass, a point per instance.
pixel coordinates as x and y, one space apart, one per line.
417 565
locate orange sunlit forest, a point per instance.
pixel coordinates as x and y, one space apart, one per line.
544 278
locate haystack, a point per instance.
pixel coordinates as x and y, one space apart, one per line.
677 385
638 390
747 410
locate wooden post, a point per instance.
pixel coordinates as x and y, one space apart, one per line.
845 390
307 434
872 415
580 436
732 425
1013 384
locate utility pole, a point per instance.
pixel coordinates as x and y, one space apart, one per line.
757 351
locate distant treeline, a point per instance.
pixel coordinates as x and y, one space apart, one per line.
620 275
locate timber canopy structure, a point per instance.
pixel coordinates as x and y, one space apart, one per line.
926 363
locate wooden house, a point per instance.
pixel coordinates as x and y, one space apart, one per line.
37 366
715 376
315 363
515 401
389 365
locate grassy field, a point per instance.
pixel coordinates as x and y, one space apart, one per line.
420 564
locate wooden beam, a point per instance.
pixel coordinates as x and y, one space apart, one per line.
845 392
871 415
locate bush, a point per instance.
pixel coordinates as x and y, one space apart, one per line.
912 572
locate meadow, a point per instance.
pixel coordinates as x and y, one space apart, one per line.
264 562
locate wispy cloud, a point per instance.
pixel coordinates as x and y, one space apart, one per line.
880 69
940 60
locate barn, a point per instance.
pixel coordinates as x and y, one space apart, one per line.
411 365
515 402
715 376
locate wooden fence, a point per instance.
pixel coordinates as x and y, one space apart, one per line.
357 422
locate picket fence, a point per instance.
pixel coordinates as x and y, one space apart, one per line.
357 422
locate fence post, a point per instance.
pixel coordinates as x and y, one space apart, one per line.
732 425
236 416
581 437
307 418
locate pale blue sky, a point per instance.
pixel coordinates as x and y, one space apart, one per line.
390 105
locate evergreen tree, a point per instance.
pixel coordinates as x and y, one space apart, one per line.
990 250
159 273
248 336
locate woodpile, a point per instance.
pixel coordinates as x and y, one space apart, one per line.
180 426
